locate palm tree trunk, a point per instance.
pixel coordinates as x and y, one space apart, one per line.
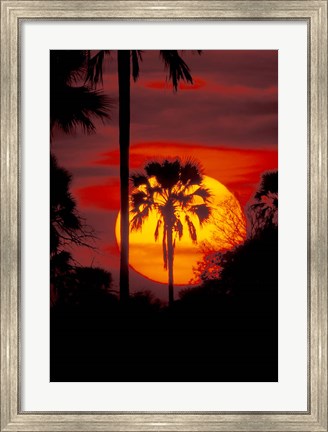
170 263
123 60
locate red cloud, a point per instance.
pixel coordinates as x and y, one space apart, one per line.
102 196
160 85
113 158
227 90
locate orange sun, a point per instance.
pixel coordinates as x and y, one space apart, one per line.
226 228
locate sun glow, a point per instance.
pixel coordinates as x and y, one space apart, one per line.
225 228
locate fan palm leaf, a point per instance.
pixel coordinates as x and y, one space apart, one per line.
78 106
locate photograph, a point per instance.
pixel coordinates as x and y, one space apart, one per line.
163 215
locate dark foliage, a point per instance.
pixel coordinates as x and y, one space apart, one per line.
93 286
79 287
66 225
65 221
225 330
263 210
74 104
207 339
269 183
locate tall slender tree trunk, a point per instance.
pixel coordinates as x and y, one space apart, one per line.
170 263
123 60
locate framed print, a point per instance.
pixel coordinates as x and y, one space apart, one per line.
157 138
186 216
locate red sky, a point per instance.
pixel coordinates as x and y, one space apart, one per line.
228 121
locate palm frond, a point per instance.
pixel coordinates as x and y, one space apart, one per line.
191 173
166 172
182 199
178 228
136 57
177 67
95 67
138 198
152 169
138 219
169 173
191 229
78 106
203 192
202 211
139 180
158 225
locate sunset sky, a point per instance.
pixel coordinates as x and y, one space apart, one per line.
228 120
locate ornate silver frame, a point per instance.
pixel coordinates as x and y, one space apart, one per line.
315 13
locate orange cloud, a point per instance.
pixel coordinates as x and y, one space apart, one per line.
238 169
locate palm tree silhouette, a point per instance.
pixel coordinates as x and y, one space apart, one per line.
174 191
178 70
72 104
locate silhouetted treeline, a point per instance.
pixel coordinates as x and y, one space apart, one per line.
222 331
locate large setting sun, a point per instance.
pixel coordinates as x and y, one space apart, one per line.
146 254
